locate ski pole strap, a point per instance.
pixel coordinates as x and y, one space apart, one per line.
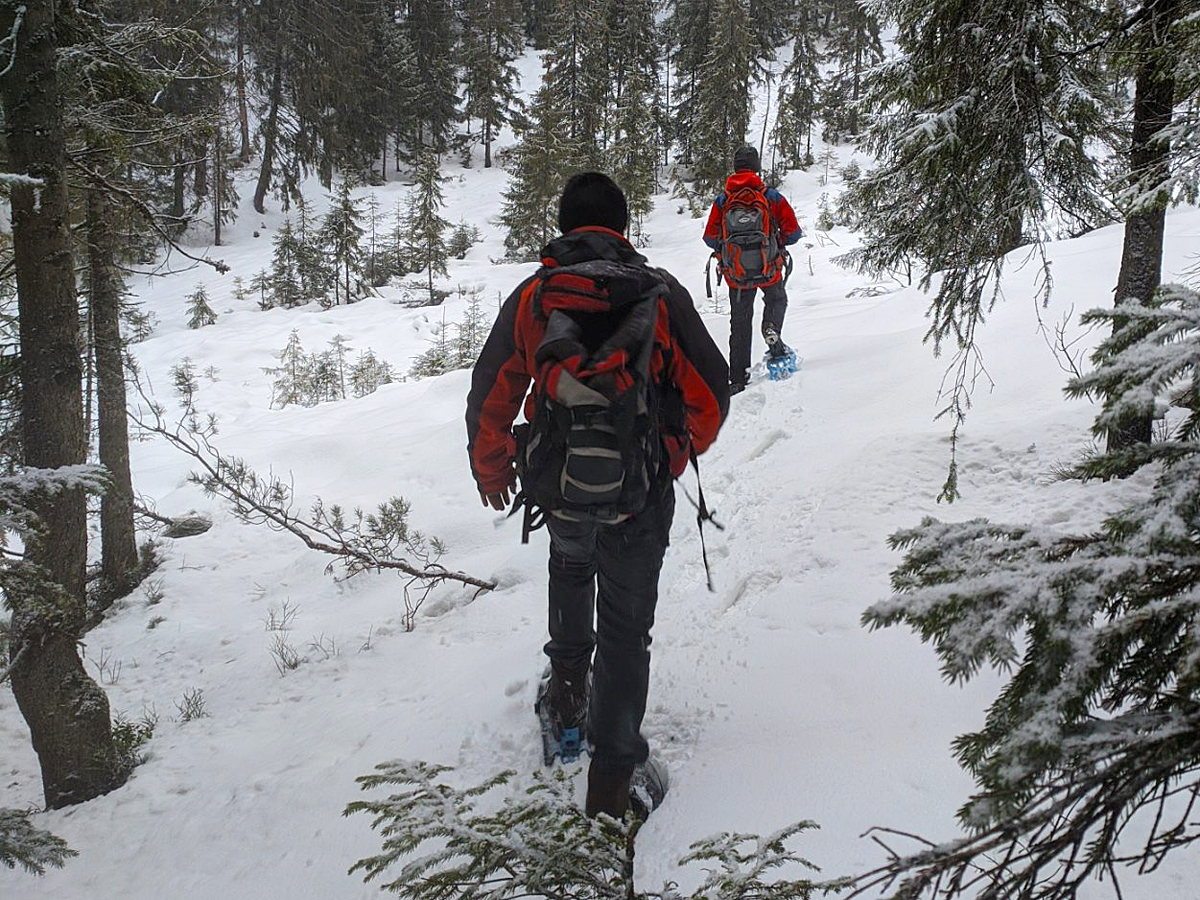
532 520
787 273
708 277
703 514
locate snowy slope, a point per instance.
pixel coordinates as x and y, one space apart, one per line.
768 699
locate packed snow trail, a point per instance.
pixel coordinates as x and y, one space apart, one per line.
768 700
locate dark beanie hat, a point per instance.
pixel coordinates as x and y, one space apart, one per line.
746 159
592 198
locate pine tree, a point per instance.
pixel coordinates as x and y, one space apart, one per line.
341 236
261 285
981 134
200 313
530 208
491 41
799 89
426 228
635 149
854 45
315 275
429 24
368 373
292 382
576 79
1094 734
687 38
471 331
723 98
284 281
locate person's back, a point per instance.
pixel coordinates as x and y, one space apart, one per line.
747 203
619 548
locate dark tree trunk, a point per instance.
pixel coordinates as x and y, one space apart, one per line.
270 131
178 195
487 144
67 713
243 112
200 186
118 544
1141 255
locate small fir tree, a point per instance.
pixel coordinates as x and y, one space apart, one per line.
285 279
341 235
799 89
292 385
368 373
425 226
200 313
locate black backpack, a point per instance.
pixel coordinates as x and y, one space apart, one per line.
592 451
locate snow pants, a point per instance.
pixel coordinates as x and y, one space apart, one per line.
623 561
741 315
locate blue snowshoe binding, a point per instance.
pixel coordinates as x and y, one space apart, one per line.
562 740
781 359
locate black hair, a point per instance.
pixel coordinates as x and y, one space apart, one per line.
592 198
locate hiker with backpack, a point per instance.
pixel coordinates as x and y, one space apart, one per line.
749 228
628 386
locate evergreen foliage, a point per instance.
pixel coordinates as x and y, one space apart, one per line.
200 313
341 238
462 239
635 149
303 379
492 40
284 282
430 28
542 158
1095 738
23 844
799 89
438 845
426 248
722 97
459 349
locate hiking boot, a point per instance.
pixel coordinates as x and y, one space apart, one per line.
568 696
607 791
776 348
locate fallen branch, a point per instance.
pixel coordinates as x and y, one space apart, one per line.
362 542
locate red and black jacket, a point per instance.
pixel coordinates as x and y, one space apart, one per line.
783 217
689 368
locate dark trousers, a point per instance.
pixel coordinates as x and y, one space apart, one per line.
741 315
623 561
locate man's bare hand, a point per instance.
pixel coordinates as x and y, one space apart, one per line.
497 500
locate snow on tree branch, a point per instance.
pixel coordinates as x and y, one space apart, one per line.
32 848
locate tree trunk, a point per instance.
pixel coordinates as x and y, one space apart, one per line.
118 544
487 144
1141 255
270 130
243 112
218 175
67 713
200 186
178 194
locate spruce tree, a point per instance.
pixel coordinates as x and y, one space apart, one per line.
315 275
687 37
430 27
799 89
341 236
284 280
291 384
200 313
854 45
723 97
981 129
530 208
1095 735
492 40
635 150
426 228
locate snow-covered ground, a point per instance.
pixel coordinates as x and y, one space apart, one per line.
768 699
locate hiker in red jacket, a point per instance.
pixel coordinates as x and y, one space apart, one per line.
606 322
770 231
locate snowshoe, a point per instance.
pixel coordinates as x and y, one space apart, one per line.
648 787
781 359
561 740
782 367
